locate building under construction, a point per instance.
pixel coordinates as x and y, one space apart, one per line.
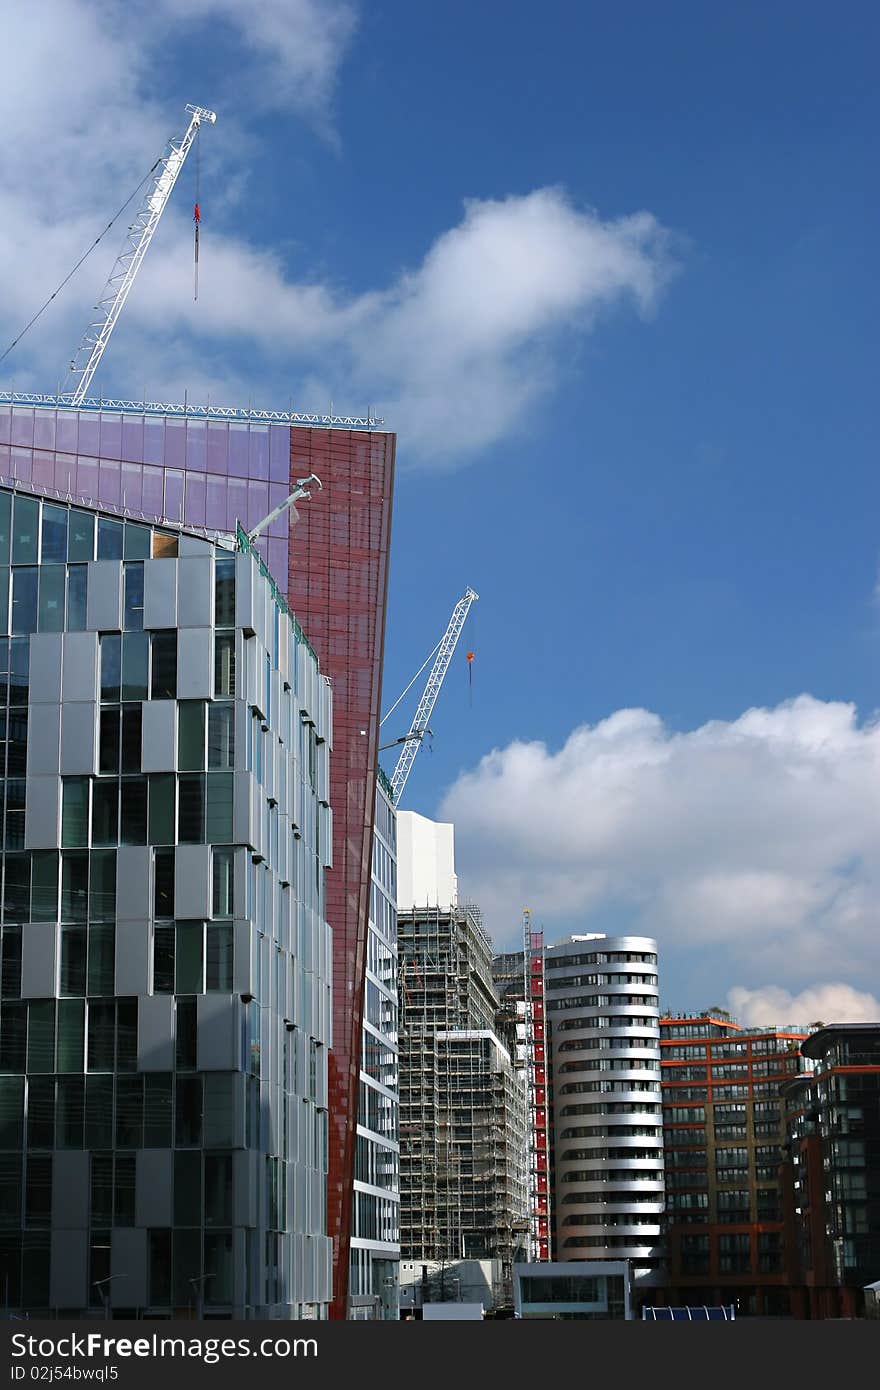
463 1148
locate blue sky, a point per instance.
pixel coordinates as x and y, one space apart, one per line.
681 516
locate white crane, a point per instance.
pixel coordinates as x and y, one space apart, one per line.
140 234
419 727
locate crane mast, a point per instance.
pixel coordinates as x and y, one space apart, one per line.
162 180
426 704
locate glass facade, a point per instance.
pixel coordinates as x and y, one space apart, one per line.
165 961
334 566
374 1283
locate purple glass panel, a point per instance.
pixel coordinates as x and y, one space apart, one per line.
218 446
133 438
44 429
257 503
238 451
175 443
65 472
66 431
43 472
22 463
277 493
5 423
279 453
194 507
132 486
215 506
109 482
111 437
88 435
22 426
5 464
173 495
196 444
153 479
258 452
154 441
236 502
87 478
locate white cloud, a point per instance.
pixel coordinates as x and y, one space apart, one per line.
828 1003
752 843
291 48
453 351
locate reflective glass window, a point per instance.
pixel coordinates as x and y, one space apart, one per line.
77 597
24 600
53 549
81 536
52 585
109 539
25 525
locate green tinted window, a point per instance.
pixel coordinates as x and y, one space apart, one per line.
191 735
162 790
75 812
81 536
25 524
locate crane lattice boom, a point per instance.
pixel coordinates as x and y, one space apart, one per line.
426 704
140 234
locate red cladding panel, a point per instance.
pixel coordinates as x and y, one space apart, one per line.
338 580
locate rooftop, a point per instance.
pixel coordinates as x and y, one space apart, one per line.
192 411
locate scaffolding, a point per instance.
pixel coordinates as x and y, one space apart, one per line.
519 979
463 1141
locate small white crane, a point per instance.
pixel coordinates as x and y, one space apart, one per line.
140 234
301 490
445 649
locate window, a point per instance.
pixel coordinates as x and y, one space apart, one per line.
224 591
133 818
135 664
25 526
222 860
218 956
109 539
191 735
224 664
101 957
81 536
161 819
75 812
163 883
52 588
163 685
221 736
102 885
191 809
54 541
24 600
77 597
105 814
111 667
189 951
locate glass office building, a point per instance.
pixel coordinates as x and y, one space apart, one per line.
374 1284
209 467
165 962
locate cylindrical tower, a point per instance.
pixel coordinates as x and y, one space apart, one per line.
604 1030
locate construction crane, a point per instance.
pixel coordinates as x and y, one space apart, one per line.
300 491
445 649
162 180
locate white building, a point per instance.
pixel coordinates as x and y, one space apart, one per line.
604 1032
426 863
